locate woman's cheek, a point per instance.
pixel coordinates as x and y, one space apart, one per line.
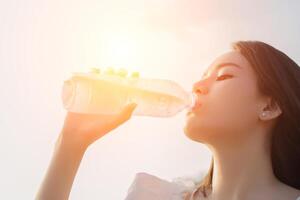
225 110
233 105
223 99
226 103
231 95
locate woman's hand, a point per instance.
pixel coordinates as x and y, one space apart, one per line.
81 130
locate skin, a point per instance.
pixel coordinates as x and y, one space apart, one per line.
230 123
78 133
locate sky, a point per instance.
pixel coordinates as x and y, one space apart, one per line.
43 41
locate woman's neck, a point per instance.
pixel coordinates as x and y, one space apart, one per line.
242 170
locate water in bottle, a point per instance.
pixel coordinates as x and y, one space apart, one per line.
109 91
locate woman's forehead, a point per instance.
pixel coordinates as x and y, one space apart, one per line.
233 57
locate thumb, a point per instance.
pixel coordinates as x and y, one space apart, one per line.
126 113
120 118
128 110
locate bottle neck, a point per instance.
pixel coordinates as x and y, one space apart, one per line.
191 100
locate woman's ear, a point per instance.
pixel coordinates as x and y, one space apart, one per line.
271 110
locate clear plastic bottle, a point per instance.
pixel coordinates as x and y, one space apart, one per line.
109 92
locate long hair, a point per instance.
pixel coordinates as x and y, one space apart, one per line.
278 76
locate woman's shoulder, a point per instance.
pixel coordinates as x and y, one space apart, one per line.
289 192
294 192
146 178
147 186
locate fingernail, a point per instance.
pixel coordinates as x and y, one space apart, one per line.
133 105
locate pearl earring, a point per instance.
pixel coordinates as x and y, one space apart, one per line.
263 114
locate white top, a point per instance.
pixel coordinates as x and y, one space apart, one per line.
148 187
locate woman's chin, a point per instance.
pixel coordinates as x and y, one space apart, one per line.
194 131
190 131
193 135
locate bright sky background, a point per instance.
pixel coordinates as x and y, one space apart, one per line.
42 42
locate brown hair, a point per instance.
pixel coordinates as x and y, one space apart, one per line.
278 76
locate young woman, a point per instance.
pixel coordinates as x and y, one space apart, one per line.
247 113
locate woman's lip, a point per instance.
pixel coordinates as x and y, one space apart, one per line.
194 108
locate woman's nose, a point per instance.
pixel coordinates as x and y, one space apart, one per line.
200 88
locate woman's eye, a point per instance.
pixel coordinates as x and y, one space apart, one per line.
222 77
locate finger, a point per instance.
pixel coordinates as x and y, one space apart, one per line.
118 119
127 111
129 108
125 114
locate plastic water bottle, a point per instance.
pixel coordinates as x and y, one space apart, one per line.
109 91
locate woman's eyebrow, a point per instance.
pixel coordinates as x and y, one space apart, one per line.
221 65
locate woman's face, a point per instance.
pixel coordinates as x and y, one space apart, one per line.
229 98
